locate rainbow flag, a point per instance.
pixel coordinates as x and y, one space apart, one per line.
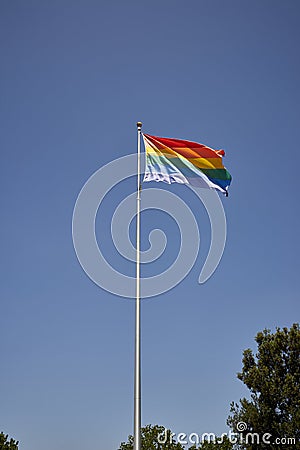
179 161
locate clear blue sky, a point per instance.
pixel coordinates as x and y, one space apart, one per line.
75 77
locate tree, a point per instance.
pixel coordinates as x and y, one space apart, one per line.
221 443
273 378
153 437
6 444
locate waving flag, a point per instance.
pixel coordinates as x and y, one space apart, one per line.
179 161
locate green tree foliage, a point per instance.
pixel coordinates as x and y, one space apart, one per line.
273 378
153 437
220 443
6 444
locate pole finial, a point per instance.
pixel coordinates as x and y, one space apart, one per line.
139 125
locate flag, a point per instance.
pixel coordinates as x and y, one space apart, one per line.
180 161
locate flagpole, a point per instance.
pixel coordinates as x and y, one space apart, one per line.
137 362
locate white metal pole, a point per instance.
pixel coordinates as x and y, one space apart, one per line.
137 362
